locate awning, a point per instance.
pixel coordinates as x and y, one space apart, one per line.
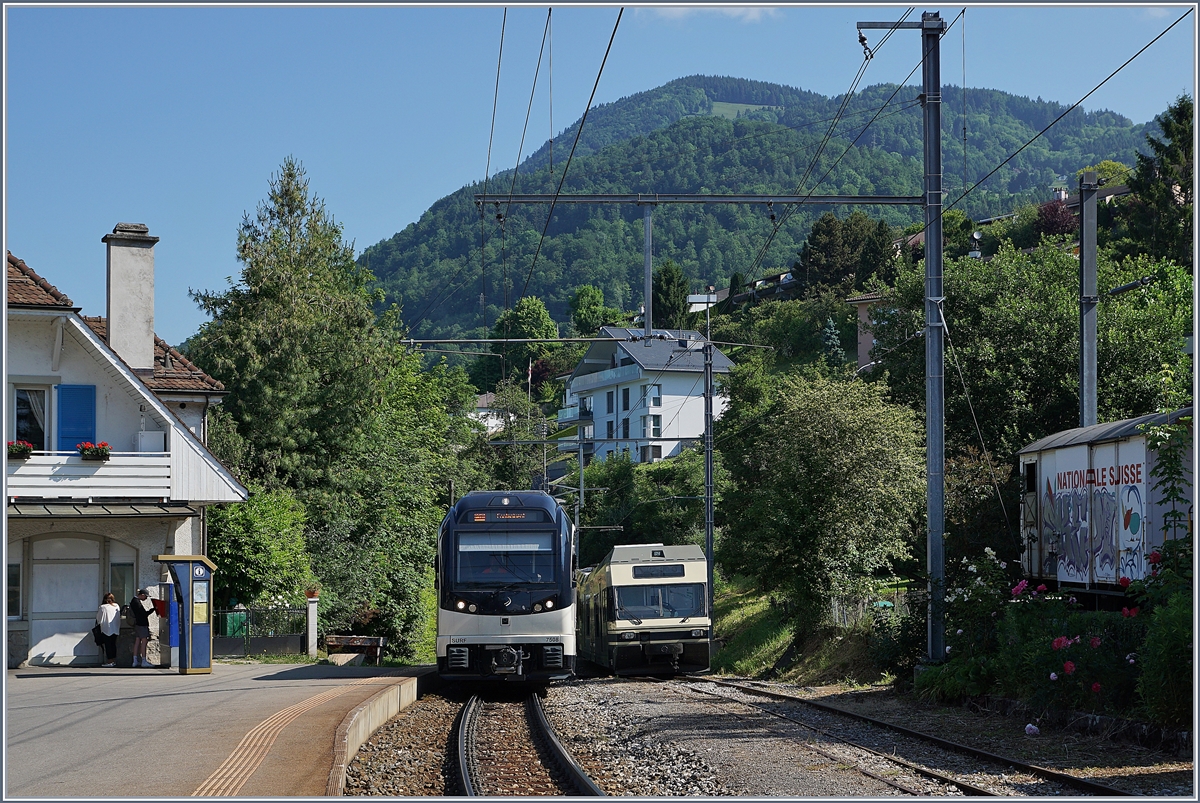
33 509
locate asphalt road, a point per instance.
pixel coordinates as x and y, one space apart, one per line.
94 732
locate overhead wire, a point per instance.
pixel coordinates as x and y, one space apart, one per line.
790 210
567 167
486 171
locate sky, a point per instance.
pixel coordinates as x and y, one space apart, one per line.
178 116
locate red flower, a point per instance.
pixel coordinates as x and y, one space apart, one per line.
1095 642
1041 588
1129 612
1124 582
1154 557
1095 688
1069 667
1061 643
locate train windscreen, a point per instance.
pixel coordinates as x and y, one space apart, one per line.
660 601
504 558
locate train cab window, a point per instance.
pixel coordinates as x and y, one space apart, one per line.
503 558
660 601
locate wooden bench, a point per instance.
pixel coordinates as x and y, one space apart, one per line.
368 645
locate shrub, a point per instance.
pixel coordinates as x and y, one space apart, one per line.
897 640
1165 685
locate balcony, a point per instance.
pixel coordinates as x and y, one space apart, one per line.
570 415
571 446
66 475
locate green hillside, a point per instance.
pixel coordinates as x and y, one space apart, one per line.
679 138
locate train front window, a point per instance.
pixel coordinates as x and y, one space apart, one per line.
670 601
505 558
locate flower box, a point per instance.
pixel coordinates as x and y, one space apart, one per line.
19 450
93 451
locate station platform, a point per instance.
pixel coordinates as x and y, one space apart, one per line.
246 730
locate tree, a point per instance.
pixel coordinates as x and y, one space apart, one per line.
835 355
1160 213
1014 336
528 319
295 339
1053 218
826 477
588 312
258 546
1107 172
670 292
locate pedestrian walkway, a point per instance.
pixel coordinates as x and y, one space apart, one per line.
250 730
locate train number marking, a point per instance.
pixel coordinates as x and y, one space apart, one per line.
553 639
458 639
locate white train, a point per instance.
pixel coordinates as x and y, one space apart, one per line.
505 588
643 610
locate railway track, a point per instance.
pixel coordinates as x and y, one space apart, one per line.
507 748
984 774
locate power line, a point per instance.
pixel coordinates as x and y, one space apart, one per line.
578 133
486 171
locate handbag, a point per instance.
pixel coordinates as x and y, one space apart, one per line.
98 635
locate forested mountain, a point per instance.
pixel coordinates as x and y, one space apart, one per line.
669 140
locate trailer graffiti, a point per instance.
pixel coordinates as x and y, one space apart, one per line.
1065 524
1087 540
1132 519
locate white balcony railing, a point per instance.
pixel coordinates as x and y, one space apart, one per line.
66 475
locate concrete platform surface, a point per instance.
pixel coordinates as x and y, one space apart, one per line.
94 732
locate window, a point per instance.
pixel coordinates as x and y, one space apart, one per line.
668 601
651 453
610 430
13 606
120 571
609 402
501 558
656 426
76 415
652 395
625 428
624 399
31 416
585 404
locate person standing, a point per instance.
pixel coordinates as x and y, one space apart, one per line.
108 616
141 626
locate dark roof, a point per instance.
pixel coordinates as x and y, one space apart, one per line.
27 289
664 352
1099 433
172 371
865 298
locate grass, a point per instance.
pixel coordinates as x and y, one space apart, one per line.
730 110
757 641
753 636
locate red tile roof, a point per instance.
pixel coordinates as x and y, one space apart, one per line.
172 371
27 289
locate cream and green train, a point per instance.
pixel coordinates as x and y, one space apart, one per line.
643 610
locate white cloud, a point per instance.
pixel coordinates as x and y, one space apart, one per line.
1156 12
743 13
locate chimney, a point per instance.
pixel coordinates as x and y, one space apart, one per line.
131 295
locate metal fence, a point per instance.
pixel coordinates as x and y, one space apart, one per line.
259 631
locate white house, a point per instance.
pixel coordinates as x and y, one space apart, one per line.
77 528
644 397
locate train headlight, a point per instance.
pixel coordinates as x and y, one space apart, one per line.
460 605
472 608
629 635
538 606
697 633
549 604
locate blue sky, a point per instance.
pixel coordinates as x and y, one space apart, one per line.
177 117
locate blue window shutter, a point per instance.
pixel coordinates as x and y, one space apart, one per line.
76 415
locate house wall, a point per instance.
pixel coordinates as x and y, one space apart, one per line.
682 411
118 418
64 567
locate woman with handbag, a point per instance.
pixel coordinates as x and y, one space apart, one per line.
108 619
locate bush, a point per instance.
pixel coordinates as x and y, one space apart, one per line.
1165 686
897 641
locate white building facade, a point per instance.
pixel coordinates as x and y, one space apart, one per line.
643 398
78 528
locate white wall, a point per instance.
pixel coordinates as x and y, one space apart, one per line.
117 416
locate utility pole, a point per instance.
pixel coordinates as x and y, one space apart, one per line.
648 318
932 26
1088 298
